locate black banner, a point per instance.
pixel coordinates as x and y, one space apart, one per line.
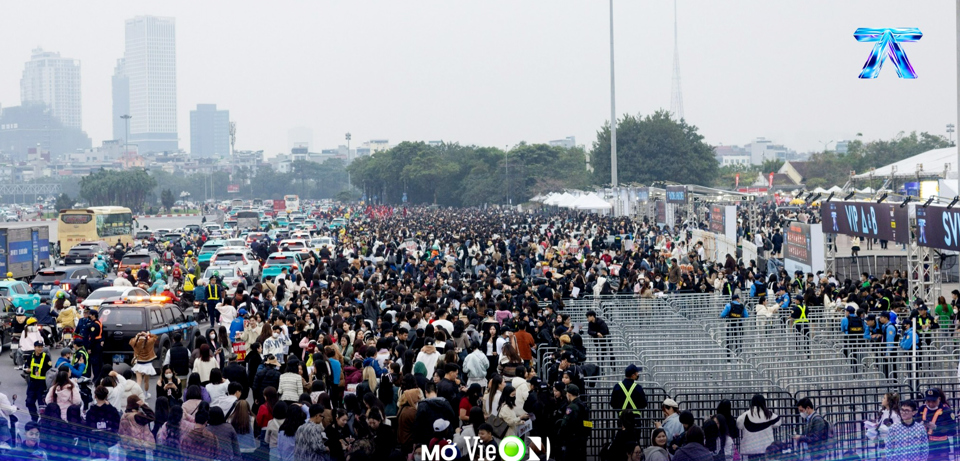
661 212
676 194
796 244
938 227
884 221
718 220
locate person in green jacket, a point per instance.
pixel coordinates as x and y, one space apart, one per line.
944 313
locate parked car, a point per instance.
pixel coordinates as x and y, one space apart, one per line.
20 294
101 294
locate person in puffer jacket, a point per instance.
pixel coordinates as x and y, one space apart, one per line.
756 427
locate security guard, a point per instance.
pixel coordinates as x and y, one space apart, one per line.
853 328
9 277
93 338
939 422
799 315
214 296
758 289
728 286
575 427
81 358
629 394
925 324
736 312
40 363
800 281
888 335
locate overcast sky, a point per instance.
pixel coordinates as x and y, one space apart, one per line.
497 72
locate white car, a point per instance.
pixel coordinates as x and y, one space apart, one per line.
300 235
210 227
102 294
11 217
243 257
236 243
293 245
231 274
323 242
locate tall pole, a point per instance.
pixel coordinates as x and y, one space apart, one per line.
126 126
506 171
613 110
349 185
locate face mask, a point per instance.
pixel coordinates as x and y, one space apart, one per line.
169 375
276 335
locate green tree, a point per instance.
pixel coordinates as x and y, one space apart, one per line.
654 148
128 188
167 199
64 202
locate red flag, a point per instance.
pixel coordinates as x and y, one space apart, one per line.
771 180
738 181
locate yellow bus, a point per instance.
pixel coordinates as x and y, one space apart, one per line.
104 223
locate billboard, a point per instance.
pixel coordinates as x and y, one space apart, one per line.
661 212
938 227
643 194
718 216
884 221
233 188
802 248
676 194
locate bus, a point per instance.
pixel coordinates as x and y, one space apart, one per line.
104 223
292 203
248 219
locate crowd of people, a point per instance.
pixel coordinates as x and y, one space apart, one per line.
421 330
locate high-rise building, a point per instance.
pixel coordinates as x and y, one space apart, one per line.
33 126
149 68
121 100
209 131
54 81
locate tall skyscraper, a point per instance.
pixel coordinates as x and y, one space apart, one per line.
54 81
209 131
149 66
121 100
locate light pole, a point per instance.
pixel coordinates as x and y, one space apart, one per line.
825 144
126 126
950 129
349 184
506 172
613 110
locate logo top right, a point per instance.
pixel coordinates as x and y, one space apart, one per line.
888 45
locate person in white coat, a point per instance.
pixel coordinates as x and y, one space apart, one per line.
756 428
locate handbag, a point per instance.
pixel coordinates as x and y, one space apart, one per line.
499 425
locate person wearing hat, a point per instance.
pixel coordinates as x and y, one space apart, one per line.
735 312
39 364
628 394
671 423
236 325
888 336
268 376
872 333
853 329
926 323
940 422
66 360
575 426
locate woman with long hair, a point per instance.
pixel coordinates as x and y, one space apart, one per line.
888 416
472 398
491 400
657 451
272 431
509 411
217 387
509 360
491 331
64 393
193 379
168 437
205 363
286 436
756 428
168 385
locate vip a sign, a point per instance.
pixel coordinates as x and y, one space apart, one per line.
883 221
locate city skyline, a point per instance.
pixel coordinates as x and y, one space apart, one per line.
53 80
437 74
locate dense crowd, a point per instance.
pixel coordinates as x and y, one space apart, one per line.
423 329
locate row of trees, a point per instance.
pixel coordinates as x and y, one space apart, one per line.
456 175
128 188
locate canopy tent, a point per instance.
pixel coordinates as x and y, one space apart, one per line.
538 198
835 189
933 163
590 202
555 198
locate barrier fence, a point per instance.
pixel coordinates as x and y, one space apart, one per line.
686 351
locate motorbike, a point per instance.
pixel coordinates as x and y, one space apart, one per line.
15 354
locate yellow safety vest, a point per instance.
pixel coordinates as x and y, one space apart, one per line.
628 398
36 369
213 291
803 314
920 323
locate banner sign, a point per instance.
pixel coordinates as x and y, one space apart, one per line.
643 194
938 227
797 244
676 194
233 188
884 221
718 217
661 212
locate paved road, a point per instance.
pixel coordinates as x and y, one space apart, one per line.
152 223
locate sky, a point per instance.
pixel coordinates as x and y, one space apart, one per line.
499 72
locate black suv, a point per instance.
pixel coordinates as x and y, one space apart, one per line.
123 318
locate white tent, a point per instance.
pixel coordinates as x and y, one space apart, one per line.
933 162
866 190
537 198
552 199
591 202
835 189
819 190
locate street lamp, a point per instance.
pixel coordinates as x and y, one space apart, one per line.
950 129
349 184
825 144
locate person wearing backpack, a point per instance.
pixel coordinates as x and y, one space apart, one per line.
816 431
